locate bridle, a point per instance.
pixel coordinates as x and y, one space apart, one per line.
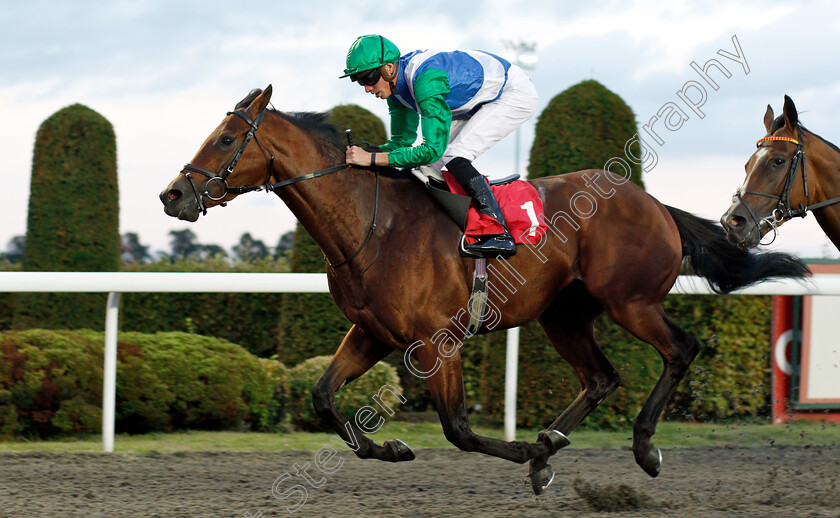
783 209
220 179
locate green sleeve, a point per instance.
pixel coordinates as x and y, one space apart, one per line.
430 88
404 123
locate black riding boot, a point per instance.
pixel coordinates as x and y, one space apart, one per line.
502 244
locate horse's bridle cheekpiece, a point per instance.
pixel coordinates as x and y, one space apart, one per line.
220 178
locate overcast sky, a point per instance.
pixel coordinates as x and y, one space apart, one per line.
165 73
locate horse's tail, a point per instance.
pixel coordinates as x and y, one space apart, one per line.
725 266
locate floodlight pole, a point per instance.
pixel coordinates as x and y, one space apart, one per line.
525 56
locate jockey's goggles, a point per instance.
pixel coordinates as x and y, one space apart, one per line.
367 77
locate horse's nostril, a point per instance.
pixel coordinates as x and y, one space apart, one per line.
736 221
173 194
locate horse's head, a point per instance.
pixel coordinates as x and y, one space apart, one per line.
770 195
209 180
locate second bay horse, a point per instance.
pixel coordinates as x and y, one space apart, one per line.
792 172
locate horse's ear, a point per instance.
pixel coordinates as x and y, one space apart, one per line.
791 117
264 99
244 103
768 118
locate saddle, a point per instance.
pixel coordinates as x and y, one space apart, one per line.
519 201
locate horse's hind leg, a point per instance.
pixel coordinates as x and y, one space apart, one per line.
568 322
357 353
678 349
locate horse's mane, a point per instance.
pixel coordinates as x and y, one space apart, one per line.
779 121
829 144
316 123
312 122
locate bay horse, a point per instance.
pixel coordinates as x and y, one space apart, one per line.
395 271
792 172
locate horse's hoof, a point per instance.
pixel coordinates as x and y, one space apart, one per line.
554 440
651 461
400 451
541 478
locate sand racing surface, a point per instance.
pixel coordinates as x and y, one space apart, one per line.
695 482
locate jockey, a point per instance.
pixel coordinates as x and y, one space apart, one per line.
463 101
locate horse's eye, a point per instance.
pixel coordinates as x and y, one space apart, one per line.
778 161
226 140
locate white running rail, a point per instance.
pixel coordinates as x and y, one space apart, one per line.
115 283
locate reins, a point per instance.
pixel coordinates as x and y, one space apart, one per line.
220 179
784 210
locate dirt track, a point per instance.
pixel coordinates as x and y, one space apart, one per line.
762 481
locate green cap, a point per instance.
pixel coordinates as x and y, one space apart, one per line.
371 51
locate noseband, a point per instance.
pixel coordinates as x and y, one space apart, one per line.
220 178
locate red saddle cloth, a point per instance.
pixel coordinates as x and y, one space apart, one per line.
521 207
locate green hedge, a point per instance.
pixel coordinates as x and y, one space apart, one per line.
51 381
51 384
279 384
366 126
729 378
73 217
249 319
8 300
582 128
310 323
213 383
348 400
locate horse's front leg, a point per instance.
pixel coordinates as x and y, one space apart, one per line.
446 385
357 353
